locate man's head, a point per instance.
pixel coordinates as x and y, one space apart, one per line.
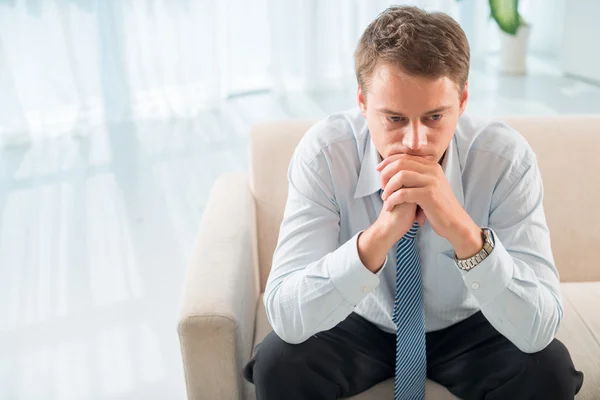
412 68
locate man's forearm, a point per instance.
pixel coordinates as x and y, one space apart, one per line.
520 306
373 246
533 326
303 300
523 310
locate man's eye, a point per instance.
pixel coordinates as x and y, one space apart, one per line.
435 117
395 119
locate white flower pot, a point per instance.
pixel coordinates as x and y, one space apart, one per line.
513 51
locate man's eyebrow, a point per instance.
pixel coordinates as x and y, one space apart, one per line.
387 111
438 110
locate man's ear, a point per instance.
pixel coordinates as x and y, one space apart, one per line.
464 96
362 104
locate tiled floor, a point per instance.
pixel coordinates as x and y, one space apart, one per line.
96 231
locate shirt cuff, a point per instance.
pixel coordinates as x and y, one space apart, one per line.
349 275
492 276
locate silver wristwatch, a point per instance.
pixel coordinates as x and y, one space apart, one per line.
471 262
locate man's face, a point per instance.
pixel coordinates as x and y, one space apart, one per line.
411 115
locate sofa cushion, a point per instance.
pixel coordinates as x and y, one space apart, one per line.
579 331
570 197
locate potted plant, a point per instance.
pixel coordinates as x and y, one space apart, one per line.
514 35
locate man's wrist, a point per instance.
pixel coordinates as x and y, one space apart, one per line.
467 240
373 248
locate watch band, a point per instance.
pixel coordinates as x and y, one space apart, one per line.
471 262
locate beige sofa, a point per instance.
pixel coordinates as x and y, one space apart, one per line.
222 314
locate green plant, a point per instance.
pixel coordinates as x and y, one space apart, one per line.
506 14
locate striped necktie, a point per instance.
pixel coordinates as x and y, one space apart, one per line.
409 317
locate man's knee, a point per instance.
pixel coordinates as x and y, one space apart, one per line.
271 358
278 365
553 373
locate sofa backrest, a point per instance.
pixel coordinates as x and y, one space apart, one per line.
568 151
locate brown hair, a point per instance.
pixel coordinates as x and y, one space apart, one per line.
418 42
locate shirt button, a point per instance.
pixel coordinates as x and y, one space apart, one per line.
366 289
475 285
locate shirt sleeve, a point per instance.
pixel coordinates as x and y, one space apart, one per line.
517 285
314 282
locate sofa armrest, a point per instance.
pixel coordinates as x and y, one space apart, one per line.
218 311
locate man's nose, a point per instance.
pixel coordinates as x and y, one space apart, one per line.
415 137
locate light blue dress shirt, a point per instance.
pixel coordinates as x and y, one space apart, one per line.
317 278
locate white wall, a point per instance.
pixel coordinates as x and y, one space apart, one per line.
580 49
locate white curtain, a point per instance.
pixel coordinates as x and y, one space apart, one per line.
68 65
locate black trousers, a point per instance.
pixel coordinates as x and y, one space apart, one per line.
471 358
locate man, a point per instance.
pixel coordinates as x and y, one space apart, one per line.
414 242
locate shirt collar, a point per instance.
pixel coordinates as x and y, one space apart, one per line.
369 177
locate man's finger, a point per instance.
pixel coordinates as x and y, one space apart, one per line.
396 166
395 157
405 195
405 178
